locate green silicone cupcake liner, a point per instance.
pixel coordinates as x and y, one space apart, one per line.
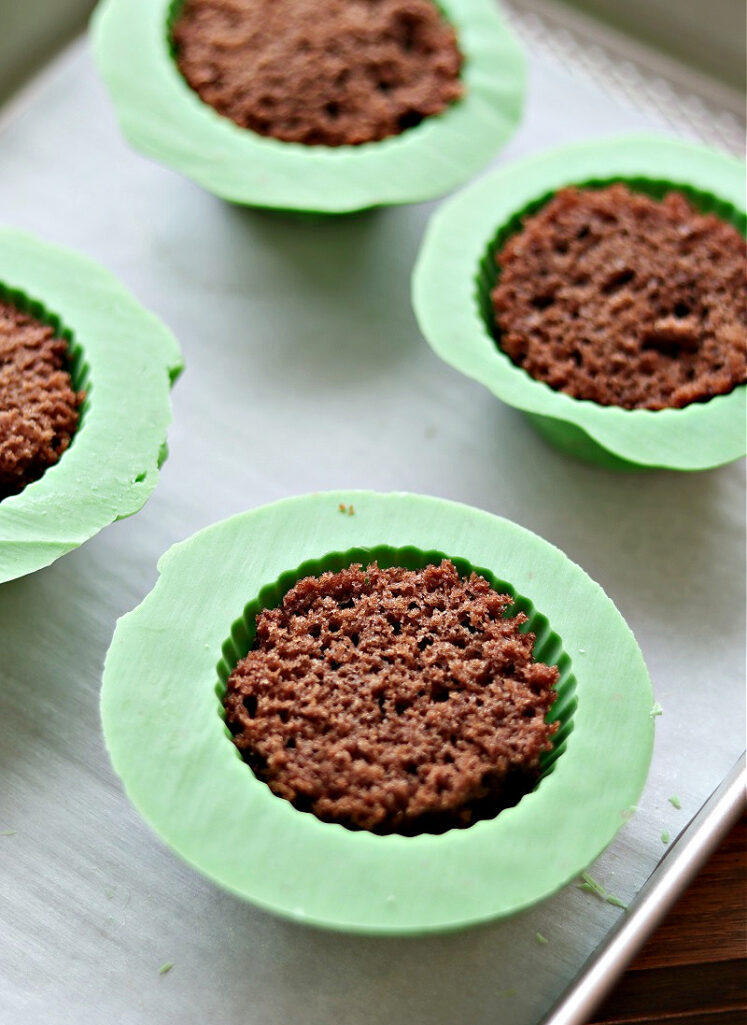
455 272
164 118
162 715
126 361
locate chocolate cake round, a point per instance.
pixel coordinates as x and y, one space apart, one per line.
320 72
393 700
612 296
38 404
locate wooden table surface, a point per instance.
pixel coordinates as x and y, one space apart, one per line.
693 970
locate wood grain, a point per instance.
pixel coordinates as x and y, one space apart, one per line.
693 970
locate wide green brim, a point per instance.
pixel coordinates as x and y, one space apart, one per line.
127 361
448 282
165 119
162 723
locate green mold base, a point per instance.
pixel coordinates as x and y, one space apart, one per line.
456 271
170 746
126 361
574 441
165 119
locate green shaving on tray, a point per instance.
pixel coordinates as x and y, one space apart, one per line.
590 885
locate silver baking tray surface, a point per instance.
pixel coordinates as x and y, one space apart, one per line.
305 371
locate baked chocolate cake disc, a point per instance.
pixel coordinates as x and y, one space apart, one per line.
616 297
320 72
393 700
38 403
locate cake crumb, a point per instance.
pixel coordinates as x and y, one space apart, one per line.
665 837
39 409
675 802
165 968
393 700
320 72
611 296
542 939
656 710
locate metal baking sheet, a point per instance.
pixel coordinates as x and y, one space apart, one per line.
305 371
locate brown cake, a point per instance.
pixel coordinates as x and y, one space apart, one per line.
393 700
38 405
613 296
320 72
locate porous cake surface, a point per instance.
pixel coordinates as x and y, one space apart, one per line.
320 72
38 404
393 700
613 296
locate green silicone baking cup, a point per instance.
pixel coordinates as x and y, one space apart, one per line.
161 711
164 118
455 271
126 361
